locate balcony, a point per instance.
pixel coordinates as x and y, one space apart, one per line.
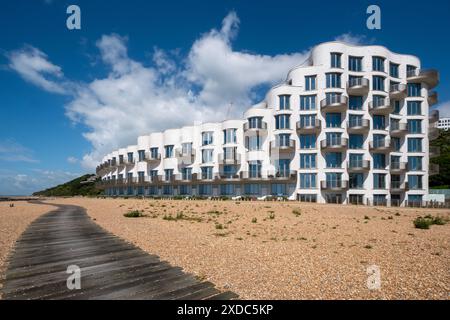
398 129
232 158
433 169
397 91
358 166
380 146
250 175
282 175
381 107
398 167
151 158
397 186
185 158
334 185
129 163
428 76
228 176
281 146
306 127
434 151
334 144
358 125
121 163
432 98
337 103
433 116
262 128
433 133
358 86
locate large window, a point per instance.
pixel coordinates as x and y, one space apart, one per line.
282 121
333 120
356 180
307 161
355 160
154 153
168 174
283 139
335 60
378 83
207 155
207 138
414 89
396 143
141 155
310 83
355 141
186 173
205 189
379 181
354 63
307 120
227 189
333 80
333 179
229 136
186 148
378 64
255 122
415 163
130 157
307 141
355 102
254 143
414 108
355 120
207 173
283 167
308 180
415 126
168 151
252 189
397 106
415 182
285 102
393 70
333 159
379 122
278 189
379 161
308 102
254 169
414 144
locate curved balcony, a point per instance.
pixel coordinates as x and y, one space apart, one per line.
185 158
398 129
152 158
262 128
228 176
398 167
428 76
432 98
282 146
397 91
433 116
433 169
337 103
334 185
306 127
433 133
358 125
380 146
245 175
231 158
282 175
434 151
382 107
334 144
358 166
396 186
358 86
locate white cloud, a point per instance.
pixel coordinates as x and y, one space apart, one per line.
444 109
13 151
355 39
136 99
72 160
33 66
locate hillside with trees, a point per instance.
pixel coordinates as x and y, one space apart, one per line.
81 186
442 180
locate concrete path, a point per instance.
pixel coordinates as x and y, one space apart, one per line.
110 267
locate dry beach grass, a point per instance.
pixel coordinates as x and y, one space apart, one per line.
288 250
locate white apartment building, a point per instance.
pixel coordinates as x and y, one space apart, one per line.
444 123
350 125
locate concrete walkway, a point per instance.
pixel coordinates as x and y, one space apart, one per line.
110 267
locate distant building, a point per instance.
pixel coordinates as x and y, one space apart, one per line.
444 123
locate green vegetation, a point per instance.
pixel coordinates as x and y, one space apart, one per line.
297 212
427 221
441 180
254 220
76 187
133 214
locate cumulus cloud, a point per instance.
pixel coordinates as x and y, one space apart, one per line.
136 98
72 160
355 39
13 151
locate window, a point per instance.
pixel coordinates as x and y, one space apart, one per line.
414 144
379 161
379 181
207 138
186 173
255 122
154 153
379 200
415 163
141 155
130 157
254 143
414 108
227 189
252 189
229 136
153 173
333 80
335 60
356 180
396 143
207 155
130 176
168 151
413 89
308 102
307 161
378 83
333 138
141 176
310 83
207 173
355 81
307 120
354 63
378 100
282 167
121 159
186 148
379 122
333 179
355 120
282 121
379 140
307 141
333 159
415 182
205 189
397 107
185 189
415 126
283 139
393 70
355 141
410 70
333 120
355 102
415 199
308 181
307 197
168 174
278 189
284 102
378 64
355 160
254 169
230 153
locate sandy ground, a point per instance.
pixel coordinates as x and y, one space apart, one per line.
13 221
291 250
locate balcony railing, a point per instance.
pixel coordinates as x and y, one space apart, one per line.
380 145
261 127
283 145
398 128
334 103
186 157
150 157
398 166
229 158
308 126
397 186
397 91
358 165
282 174
334 143
358 86
334 185
380 106
428 76
358 125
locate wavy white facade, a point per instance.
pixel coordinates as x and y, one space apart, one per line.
350 125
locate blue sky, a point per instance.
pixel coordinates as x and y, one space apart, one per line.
67 97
